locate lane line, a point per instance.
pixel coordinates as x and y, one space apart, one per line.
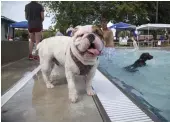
18 86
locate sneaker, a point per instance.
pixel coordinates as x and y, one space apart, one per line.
36 58
31 57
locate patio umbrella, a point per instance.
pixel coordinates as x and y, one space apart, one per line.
122 25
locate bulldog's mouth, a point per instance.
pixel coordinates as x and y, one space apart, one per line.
94 49
93 52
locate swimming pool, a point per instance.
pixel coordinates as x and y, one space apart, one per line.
150 85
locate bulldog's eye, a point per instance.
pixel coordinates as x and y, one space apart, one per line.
99 33
81 35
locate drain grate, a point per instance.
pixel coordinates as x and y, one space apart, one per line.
118 107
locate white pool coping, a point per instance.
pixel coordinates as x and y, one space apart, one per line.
118 107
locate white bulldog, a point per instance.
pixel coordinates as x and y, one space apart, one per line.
77 54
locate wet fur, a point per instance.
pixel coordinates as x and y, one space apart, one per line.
139 63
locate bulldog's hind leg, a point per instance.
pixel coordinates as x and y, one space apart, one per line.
46 70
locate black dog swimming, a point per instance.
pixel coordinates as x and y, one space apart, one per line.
139 63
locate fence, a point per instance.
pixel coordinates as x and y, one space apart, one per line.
153 43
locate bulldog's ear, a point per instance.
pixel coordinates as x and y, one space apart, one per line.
74 31
98 31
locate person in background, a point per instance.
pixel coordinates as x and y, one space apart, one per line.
34 14
168 36
109 49
69 30
58 33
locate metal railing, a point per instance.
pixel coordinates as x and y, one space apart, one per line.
153 43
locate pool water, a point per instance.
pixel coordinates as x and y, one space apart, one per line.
151 84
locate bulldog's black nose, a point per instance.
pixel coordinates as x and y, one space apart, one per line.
91 38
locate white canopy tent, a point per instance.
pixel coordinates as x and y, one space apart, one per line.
153 26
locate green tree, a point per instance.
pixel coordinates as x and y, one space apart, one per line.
164 12
89 12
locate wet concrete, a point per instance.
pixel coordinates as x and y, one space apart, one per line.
35 103
13 72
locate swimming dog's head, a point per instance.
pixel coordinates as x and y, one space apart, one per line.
146 56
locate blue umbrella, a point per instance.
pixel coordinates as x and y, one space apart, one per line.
22 24
122 25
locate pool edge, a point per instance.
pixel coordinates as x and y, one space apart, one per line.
101 109
135 101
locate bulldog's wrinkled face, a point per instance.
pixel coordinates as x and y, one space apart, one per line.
89 40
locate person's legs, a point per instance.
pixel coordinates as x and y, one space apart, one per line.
31 44
38 36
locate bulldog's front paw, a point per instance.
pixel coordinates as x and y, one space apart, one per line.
73 98
49 85
90 91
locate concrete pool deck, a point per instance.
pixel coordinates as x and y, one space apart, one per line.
14 71
35 103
